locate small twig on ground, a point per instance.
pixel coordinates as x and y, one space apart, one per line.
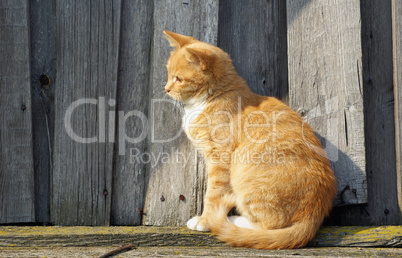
122 249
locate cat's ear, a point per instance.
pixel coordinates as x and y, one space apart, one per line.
177 40
199 57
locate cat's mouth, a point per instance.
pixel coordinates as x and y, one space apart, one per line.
174 95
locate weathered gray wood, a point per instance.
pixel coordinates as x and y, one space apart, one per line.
325 85
104 236
177 169
253 33
132 95
397 64
200 251
87 60
379 112
43 61
16 158
174 237
390 236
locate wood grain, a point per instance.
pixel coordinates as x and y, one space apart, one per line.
397 64
379 113
43 61
343 77
16 158
174 237
325 85
178 170
132 95
87 61
203 251
253 33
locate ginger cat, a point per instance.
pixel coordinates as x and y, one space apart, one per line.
261 157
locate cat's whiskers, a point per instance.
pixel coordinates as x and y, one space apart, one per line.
160 93
177 100
179 103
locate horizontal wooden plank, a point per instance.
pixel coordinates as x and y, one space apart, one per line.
192 251
177 236
103 236
387 236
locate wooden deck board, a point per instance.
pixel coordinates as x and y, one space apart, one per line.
200 251
377 237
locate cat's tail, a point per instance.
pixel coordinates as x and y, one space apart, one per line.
295 236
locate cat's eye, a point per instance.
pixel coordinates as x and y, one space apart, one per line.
177 79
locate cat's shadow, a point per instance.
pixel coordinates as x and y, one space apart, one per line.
352 195
350 176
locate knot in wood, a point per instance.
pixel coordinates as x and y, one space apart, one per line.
302 112
44 80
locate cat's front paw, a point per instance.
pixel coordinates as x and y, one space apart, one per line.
197 223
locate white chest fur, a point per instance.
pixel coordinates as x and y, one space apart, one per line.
192 109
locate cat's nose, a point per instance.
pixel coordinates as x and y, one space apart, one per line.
167 90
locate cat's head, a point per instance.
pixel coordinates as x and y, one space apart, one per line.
194 68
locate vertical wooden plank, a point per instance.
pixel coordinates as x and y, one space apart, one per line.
87 59
43 63
132 95
376 34
16 160
174 166
379 112
325 85
257 46
397 63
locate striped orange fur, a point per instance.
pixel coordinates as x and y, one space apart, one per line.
261 156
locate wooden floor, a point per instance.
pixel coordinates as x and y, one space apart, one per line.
199 251
168 241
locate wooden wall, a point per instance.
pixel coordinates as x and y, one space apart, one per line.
85 123
325 85
133 79
376 35
16 159
43 65
397 82
174 189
